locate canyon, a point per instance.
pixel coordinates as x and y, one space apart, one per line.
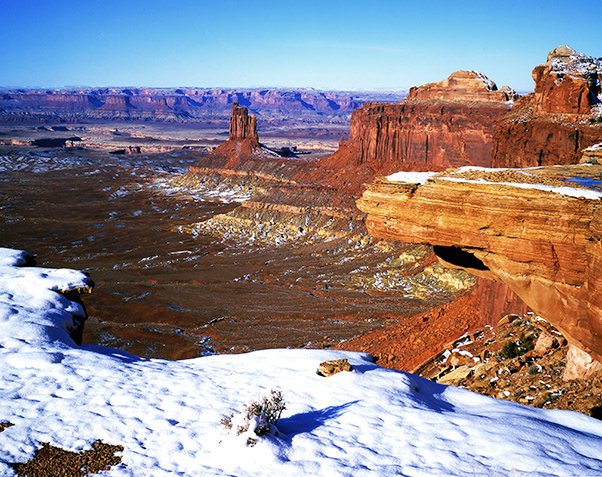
516 241
299 220
182 105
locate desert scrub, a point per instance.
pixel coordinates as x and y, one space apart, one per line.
258 418
514 349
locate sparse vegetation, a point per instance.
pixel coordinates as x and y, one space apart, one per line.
50 461
259 417
513 349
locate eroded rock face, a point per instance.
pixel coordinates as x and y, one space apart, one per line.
569 82
465 86
242 126
560 119
424 136
543 245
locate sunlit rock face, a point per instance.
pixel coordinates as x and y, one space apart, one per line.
465 86
242 126
543 244
569 82
556 122
439 125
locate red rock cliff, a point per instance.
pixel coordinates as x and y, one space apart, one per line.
439 125
544 244
560 119
467 86
242 126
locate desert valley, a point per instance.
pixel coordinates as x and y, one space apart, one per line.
232 238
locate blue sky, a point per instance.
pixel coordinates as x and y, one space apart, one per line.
347 45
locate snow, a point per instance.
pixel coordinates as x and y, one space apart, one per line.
423 177
368 422
14 258
489 84
568 191
411 177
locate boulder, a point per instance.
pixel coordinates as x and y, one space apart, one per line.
458 359
328 368
545 342
456 376
580 364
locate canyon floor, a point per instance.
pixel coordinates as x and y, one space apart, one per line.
164 292
119 218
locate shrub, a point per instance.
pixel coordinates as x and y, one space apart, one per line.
258 417
513 349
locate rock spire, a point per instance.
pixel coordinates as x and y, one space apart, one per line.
242 126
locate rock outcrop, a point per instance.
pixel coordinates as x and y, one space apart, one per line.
526 229
439 125
569 82
242 126
556 122
465 86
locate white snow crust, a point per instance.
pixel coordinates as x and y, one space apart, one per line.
411 177
368 422
568 191
423 177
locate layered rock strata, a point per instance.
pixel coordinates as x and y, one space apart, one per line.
439 125
556 122
242 126
465 86
568 83
180 104
526 229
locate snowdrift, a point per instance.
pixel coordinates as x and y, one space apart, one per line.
166 414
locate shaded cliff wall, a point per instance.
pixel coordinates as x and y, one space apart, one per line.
423 135
528 139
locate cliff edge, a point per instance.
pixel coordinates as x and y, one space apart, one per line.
539 231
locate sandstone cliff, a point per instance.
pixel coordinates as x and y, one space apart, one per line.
242 126
439 125
466 86
556 122
527 229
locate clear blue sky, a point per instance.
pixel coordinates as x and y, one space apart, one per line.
346 45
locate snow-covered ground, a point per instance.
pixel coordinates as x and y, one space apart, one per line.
166 414
423 178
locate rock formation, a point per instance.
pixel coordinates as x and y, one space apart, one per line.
518 227
560 119
465 86
439 125
242 126
180 105
569 82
